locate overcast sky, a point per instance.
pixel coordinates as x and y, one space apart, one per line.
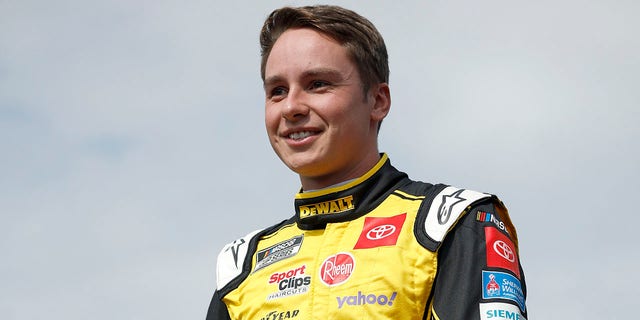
132 144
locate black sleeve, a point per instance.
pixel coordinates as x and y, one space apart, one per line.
479 273
217 309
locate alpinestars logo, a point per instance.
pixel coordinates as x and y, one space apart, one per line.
235 248
448 202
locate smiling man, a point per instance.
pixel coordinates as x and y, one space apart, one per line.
320 121
365 242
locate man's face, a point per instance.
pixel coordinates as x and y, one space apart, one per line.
318 119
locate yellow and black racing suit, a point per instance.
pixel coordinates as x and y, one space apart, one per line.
379 247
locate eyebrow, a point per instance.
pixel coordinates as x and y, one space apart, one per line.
271 80
330 72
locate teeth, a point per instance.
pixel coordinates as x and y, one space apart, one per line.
299 135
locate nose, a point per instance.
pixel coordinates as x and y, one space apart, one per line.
295 106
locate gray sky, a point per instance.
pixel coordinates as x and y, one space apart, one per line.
133 146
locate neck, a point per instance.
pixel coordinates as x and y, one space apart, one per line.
337 178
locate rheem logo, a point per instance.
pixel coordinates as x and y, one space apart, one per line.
337 269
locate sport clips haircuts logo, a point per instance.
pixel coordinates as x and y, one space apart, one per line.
337 269
292 282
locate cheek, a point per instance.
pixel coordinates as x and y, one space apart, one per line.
271 118
352 114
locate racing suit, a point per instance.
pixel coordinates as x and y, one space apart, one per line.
378 247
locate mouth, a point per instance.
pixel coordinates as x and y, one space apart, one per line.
300 135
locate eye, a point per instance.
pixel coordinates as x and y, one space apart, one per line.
277 92
318 84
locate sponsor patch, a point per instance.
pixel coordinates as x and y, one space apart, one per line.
327 207
379 232
278 252
499 311
361 299
446 208
290 283
277 315
501 253
501 285
337 269
484 216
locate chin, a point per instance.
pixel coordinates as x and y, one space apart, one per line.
303 165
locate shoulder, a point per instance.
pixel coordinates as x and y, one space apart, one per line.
231 259
234 260
441 210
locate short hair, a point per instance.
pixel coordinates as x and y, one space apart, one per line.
358 35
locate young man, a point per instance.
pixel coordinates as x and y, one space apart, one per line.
365 242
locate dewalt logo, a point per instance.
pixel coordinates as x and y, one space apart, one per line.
327 207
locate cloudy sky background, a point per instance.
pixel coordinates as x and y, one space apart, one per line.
132 144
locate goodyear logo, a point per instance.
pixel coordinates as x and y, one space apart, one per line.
327 207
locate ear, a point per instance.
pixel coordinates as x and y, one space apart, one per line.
382 101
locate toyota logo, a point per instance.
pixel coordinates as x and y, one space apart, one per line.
381 232
503 250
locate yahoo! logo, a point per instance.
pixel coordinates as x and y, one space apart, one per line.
363 299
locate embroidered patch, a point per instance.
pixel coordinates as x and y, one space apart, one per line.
501 253
379 232
278 252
